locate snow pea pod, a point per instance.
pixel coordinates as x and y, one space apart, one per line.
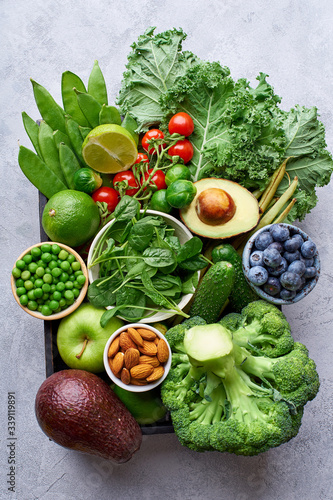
130 124
89 107
69 163
84 131
32 129
38 173
96 85
49 150
68 81
109 114
75 137
59 137
50 111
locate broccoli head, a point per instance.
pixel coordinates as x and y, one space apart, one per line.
226 395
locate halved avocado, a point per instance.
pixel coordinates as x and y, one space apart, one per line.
220 209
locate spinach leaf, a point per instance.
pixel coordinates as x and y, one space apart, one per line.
159 257
101 292
164 282
126 209
129 295
140 236
189 249
194 264
173 242
154 294
107 252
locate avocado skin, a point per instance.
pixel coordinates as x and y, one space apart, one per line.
78 410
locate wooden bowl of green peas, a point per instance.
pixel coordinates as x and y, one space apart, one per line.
49 280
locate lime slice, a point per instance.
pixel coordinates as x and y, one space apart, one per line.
109 148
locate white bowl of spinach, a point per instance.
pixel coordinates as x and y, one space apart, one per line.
143 265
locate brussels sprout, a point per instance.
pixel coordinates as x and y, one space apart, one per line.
87 180
180 193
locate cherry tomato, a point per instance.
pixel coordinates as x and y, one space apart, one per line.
157 179
107 195
153 133
129 177
142 158
181 123
183 149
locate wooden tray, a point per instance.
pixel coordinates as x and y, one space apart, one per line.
54 363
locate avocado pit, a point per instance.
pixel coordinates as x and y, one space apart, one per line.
215 206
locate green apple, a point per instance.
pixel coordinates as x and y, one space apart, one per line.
81 339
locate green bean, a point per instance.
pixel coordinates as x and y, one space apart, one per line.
32 129
96 85
68 81
50 111
84 131
69 164
59 137
109 114
89 107
49 150
38 173
75 137
130 124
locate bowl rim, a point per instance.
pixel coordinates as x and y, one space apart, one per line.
78 300
277 301
161 314
131 387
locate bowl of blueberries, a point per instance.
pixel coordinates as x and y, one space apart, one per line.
281 263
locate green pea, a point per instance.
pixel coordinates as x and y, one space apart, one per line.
63 254
40 271
54 257
64 277
47 278
81 279
41 263
69 295
31 295
45 296
69 285
46 288
20 291
56 272
53 305
56 295
71 277
38 283
62 303
39 308
32 267
32 305
65 266
71 258
46 247
20 264
55 249
24 300
76 292
19 282
28 285
53 264
46 257
38 293
36 252
60 286
16 272
76 266
27 258
78 273
25 275
46 311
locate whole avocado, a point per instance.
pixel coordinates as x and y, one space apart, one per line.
78 410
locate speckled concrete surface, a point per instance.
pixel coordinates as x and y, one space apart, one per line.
289 40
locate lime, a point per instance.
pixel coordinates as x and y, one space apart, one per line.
70 217
109 148
146 407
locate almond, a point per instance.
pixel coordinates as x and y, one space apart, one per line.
146 334
151 360
114 347
135 336
162 351
156 340
148 348
125 341
132 357
137 381
157 373
125 376
141 371
117 363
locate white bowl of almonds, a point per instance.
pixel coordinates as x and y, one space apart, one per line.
137 357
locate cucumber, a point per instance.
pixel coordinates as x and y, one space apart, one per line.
213 291
241 294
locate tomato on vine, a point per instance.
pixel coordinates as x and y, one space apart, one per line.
153 133
157 180
128 176
107 195
142 157
182 124
183 149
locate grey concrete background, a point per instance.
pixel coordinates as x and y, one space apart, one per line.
290 40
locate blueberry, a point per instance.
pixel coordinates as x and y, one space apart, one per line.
293 243
272 257
263 240
277 245
287 294
256 258
307 262
290 281
272 286
277 271
310 272
291 256
279 232
258 275
308 249
297 267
